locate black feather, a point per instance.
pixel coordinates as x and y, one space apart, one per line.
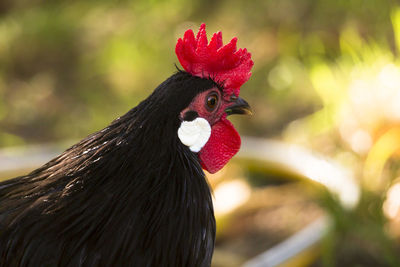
190 115
129 195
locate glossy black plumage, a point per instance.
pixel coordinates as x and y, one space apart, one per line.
129 195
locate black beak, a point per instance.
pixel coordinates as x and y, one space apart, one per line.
240 106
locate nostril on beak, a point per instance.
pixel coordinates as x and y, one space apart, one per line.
240 106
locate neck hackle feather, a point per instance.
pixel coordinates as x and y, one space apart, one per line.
129 195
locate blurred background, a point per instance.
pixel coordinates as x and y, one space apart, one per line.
325 91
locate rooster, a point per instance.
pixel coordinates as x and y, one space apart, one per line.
134 193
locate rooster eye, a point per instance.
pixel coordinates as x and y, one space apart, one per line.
212 101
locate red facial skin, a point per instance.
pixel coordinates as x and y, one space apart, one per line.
199 104
224 141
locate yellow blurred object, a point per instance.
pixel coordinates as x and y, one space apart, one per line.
379 154
391 206
391 209
230 195
303 259
300 249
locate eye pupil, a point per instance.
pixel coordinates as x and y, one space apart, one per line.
212 101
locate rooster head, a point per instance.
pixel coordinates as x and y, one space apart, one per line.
205 128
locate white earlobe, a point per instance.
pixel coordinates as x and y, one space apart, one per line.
194 134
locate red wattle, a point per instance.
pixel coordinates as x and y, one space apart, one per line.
223 144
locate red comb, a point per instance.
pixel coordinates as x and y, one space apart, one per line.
223 63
